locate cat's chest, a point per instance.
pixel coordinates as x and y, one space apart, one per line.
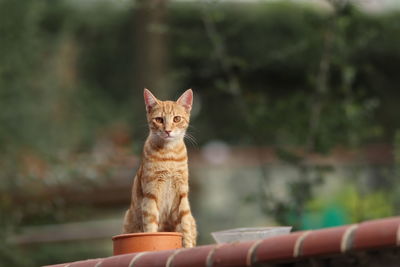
164 176
168 185
167 158
168 177
165 169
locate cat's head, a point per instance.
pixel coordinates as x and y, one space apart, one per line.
168 120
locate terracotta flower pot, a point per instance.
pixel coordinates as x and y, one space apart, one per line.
137 242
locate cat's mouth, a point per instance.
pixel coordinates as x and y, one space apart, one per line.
166 136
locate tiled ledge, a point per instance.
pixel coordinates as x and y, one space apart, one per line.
383 234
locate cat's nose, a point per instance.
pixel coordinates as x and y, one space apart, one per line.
167 132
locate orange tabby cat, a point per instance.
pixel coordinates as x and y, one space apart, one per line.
160 188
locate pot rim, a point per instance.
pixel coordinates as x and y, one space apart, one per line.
122 236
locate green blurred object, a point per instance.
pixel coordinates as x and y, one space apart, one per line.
347 206
331 216
334 216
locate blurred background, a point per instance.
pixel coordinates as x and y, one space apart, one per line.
296 118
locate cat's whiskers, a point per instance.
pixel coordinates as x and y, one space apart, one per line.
191 139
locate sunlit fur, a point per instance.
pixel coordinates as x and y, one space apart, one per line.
160 189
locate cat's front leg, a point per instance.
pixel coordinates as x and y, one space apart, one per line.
186 223
150 213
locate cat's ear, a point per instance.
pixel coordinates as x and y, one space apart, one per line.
186 99
149 99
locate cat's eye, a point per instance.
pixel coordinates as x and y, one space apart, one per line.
159 120
177 119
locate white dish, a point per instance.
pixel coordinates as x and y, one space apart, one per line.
249 234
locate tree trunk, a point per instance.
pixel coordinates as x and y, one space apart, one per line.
151 47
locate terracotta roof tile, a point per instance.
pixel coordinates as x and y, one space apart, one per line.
377 234
230 255
154 259
87 263
326 241
275 248
196 256
120 260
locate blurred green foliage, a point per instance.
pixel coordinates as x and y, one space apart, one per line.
67 73
69 69
350 206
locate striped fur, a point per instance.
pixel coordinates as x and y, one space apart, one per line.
160 188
